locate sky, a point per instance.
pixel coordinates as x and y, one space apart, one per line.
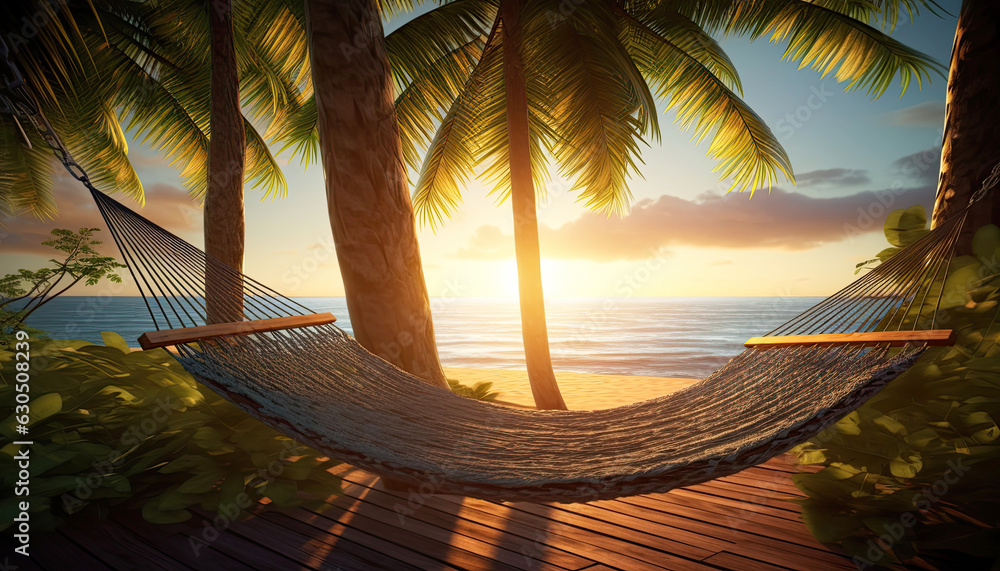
855 160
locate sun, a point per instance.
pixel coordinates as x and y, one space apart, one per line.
550 278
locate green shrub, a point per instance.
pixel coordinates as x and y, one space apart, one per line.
480 391
25 291
113 427
912 474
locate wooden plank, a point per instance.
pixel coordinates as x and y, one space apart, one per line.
770 543
730 561
744 537
893 338
333 532
176 540
523 553
791 555
718 504
338 539
166 337
607 545
357 514
454 521
243 549
783 489
306 550
740 513
119 547
59 552
567 538
746 494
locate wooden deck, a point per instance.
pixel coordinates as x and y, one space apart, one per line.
742 522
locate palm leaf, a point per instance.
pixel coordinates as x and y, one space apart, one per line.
26 176
827 40
601 108
744 145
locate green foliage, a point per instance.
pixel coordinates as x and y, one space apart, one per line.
100 68
594 74
113 427
912 473
82 263
902 228
480 391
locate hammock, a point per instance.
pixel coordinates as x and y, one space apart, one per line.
297 372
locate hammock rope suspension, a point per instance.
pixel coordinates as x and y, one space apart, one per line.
296 371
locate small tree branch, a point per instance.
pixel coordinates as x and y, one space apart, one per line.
50 298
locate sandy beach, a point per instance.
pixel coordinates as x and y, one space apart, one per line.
580 390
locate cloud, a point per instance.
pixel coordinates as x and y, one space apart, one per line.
926 114
166 205
920 168
832 177
779 220
488 242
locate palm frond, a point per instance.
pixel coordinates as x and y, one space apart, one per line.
420 107
690 38
262 171
92 132
828 41
744 145
299 132
491 140
26 176
417 46
601 108
451 155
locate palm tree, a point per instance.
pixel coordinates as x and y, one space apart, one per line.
578 87
226 157
162 84
351 122
972 136
148 67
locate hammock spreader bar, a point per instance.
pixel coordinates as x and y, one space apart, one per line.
930 337
169 337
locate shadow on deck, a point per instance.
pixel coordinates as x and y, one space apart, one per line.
739 522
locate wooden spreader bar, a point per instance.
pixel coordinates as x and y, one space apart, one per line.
894 338
166 337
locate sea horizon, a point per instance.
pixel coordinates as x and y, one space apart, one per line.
649 336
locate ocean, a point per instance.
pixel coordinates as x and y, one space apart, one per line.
670 337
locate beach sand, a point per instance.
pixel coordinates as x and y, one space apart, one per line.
580 390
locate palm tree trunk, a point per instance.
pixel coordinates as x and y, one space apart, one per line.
366 186
522 197
972 121
224 231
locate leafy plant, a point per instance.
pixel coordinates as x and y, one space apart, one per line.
911 475
114 427
480 391
36 288
902 228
